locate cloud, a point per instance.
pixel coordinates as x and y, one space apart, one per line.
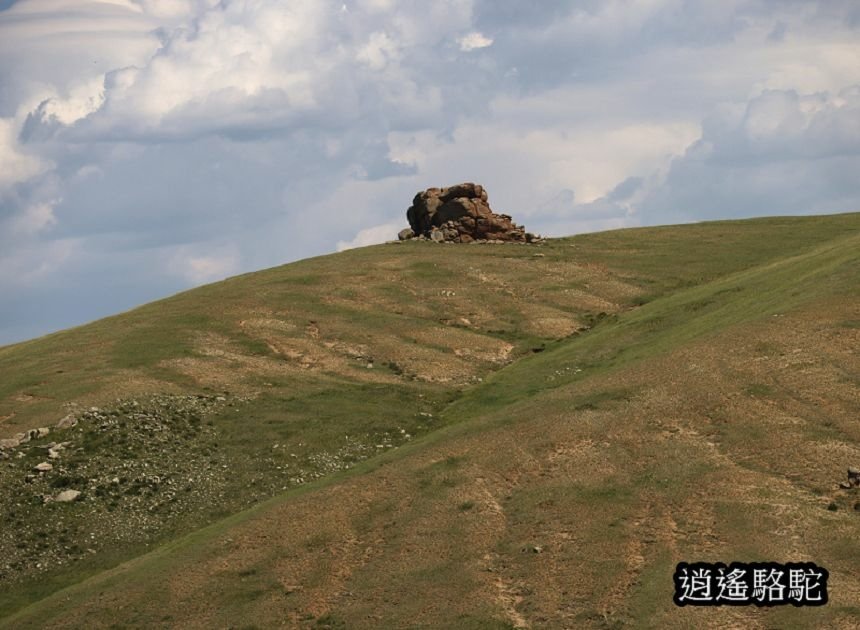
149 145
16 165
35 218
372 236
533 168
49 48
32 265
779 153
205 267
379 51
474 41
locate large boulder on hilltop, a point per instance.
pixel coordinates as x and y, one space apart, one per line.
460 214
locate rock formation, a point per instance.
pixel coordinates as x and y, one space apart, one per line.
460 214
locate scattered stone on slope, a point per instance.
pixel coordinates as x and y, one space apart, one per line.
460 214
8 443
854 476
54 450
67 423
137 469
67 496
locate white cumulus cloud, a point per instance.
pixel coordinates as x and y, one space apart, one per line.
473 41
372 236
15 164
199 265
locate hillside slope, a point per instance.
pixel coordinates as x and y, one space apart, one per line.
580 417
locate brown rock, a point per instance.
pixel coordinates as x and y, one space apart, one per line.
67 496
9 443
460 214
67 422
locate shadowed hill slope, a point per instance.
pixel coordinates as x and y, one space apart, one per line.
581 416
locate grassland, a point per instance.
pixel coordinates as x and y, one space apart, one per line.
537 434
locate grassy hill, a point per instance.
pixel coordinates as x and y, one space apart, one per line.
425 435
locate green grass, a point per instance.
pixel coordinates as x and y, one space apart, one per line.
668 323
759 390
651 588
695 282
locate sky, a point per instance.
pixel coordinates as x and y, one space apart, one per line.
149 146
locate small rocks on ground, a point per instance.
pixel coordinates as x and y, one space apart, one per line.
66 496
67 423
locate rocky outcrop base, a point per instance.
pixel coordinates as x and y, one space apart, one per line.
460 214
